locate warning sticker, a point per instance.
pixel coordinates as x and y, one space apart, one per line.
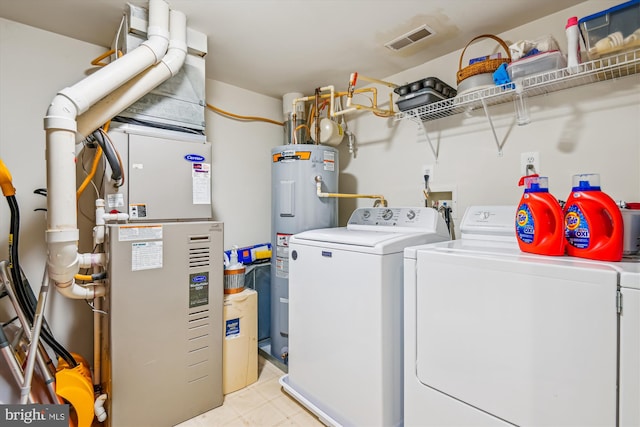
139 232
329 161
282 255
138 211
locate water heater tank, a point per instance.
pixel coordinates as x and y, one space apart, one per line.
296 207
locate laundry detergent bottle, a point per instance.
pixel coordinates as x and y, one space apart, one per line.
539 219
592 221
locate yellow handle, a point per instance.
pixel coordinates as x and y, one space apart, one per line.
5 181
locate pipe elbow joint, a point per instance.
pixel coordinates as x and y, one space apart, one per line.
177 52
158 29
174 60
90 260
98 407
62 113
75 291
64 261
157 46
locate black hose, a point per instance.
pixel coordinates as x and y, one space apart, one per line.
24 293
110 154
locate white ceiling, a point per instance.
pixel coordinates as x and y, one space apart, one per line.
278 46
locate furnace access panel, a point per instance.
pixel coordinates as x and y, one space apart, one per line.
165 178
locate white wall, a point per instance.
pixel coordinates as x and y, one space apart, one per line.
588 129
242 162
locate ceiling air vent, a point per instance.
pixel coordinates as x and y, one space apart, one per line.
410 38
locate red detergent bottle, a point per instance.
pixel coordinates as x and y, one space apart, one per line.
539 219
592 221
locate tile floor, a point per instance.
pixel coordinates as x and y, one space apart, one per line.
261 404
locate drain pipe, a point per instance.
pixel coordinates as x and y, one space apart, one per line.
60 125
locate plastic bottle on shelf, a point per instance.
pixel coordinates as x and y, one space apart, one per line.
573 44
539 219
233 273
593 221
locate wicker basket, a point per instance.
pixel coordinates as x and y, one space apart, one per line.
486 66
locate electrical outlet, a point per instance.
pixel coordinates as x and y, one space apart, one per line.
428 170
529 163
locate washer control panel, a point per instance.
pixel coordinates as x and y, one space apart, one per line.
393 217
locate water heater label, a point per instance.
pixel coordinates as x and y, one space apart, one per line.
291 155
329 161
232 328
198 289
282 255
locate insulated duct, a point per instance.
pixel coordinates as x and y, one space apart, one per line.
63 128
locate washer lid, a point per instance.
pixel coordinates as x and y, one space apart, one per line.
628 270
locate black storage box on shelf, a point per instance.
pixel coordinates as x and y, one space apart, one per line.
423 92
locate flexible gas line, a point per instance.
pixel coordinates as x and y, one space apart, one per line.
98 61
380 200
248 118
94 167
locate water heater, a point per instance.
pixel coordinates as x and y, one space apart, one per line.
296 207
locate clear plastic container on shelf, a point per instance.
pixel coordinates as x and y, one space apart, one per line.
612 30
535 64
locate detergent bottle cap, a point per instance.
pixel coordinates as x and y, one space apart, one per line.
536 184
586 182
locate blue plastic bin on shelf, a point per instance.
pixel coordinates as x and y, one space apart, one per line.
611 30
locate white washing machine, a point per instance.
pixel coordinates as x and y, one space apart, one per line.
345 314
495 336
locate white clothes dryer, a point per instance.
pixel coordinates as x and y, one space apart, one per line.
495 336
345 314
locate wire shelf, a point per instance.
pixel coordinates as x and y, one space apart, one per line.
608 68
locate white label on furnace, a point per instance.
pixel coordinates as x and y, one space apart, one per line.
329 161
115 201
201 177
139 232
146 255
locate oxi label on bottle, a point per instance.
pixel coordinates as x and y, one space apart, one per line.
576 228
593 225
539 219
525 224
